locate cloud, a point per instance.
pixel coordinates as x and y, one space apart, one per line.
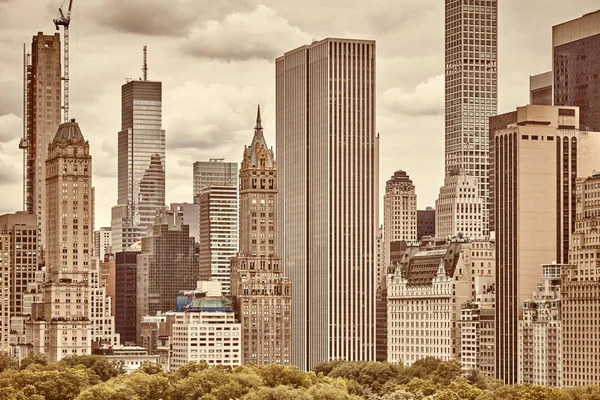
9 174
11 127
426 100
259 34
162 18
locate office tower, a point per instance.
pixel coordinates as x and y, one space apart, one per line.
540 89
380 302
102 239
191 217
218 232
536 163
193 331
576 67
125 295
425 223
580 290
458 209
141 163
5 292
426 286
167 264
262 295
21 232
42 105
399 212
540 332
60 326
328 155
214 172
107 278
497 123
471 89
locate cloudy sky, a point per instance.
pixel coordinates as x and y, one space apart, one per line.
216 62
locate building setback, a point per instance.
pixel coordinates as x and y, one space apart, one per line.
262 295
471 66
576 67
580 290
536 163
190 212
41 119
141 163
328 155
167 264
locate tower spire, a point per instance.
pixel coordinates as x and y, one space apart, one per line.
258 124
145 65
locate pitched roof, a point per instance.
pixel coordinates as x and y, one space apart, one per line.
68 133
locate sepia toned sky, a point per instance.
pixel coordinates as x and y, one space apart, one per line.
216 62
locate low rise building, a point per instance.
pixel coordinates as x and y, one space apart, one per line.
131 357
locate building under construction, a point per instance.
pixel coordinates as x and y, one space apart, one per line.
41 117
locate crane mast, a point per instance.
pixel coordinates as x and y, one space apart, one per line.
64 21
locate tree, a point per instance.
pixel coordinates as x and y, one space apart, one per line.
7 362
277 374
100 365
150 368
34 359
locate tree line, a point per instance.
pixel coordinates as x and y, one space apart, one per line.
97 378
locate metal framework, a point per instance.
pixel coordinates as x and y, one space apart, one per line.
65 21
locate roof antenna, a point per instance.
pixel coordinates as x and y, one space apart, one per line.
145 66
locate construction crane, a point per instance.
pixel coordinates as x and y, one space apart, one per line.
65 21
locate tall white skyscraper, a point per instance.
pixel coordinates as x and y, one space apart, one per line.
471 88
141 163
328 155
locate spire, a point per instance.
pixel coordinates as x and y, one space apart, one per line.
145 64
258 124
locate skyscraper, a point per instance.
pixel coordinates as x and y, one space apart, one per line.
263 296
141 163
167 264
214 172
41 119
60 325
102 241
328 197
399 212
471 88
218 233
576 66
537 160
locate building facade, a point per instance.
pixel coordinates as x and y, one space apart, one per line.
328 153
425 223
399 212
536 163
125 296
471 59
60 325
214 172
102 241
167 264
141 163
262 295
576 66
540 332
424 289
540 89
219 213
43 88
580 290
459 208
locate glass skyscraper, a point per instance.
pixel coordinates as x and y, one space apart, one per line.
141 163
